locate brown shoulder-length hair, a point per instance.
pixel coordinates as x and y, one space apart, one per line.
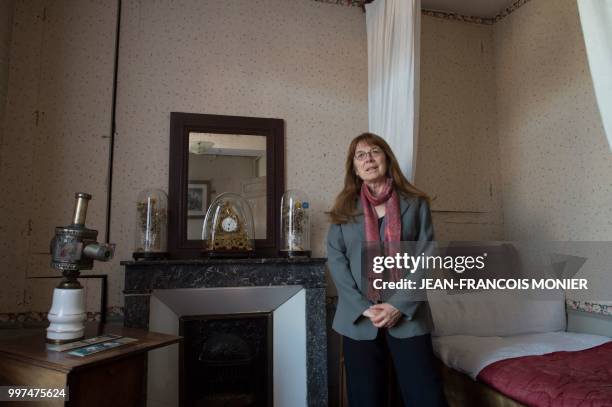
345 206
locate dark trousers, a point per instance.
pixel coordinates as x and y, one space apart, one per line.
417 374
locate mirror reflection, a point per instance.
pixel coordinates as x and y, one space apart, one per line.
221 163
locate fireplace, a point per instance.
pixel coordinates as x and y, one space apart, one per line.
242 346
227 360
212 303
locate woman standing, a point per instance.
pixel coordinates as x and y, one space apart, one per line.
378 203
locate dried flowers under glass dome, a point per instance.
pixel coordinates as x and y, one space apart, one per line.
228 228
295 224
151 225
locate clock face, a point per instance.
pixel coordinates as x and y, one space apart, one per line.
229 224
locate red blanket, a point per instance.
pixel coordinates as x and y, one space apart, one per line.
582 378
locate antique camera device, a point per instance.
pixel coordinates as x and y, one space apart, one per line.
73 248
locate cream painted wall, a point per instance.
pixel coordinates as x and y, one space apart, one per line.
557 169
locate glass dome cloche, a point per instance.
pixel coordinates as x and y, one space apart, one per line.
228 228
295 224
151 225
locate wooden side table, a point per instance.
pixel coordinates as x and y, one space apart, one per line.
115 377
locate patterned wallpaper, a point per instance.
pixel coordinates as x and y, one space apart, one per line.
557 169
274 58
6 26
265 58
475 19
188 59
56 138
457 129
601 307
444 14
354 3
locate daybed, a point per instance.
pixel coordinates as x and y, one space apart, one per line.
499 350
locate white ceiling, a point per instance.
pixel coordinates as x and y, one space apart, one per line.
476 8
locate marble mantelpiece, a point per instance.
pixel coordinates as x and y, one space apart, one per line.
141 277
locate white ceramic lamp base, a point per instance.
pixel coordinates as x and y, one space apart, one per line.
67 315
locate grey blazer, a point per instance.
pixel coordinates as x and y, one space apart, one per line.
344 263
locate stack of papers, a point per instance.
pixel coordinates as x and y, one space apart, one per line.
93 345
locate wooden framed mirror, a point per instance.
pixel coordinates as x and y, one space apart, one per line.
212 154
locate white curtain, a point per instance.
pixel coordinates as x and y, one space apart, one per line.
394 28
596 21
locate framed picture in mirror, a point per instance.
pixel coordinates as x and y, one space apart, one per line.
198 198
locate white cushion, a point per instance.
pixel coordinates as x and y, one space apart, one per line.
495 313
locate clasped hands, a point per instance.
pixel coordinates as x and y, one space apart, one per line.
383 315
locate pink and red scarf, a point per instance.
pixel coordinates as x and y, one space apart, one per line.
393 227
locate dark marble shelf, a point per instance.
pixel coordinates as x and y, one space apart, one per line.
144 276
219 260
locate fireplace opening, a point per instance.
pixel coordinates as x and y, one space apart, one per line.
227 360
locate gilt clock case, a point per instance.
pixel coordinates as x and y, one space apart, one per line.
228 228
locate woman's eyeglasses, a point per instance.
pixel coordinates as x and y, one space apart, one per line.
362 155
